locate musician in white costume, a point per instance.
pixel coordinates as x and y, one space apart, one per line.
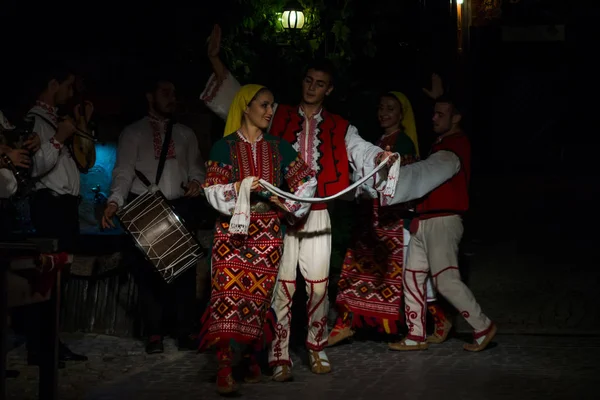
55 202
140 147
327 143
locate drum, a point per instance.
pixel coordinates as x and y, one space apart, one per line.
160 234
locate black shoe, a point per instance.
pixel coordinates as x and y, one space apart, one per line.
155 347
187 343
65 354
33 359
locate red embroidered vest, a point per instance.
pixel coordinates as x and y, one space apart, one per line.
333 175
452 197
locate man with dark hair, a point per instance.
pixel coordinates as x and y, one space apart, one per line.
442 183
140 147
55 202
328 144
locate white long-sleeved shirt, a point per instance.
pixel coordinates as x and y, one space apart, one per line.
139 148
53 165
418 179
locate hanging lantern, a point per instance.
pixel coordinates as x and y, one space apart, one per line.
292 16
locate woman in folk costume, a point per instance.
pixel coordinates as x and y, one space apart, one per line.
370 286
248 240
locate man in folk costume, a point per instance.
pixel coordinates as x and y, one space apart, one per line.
442 182
327 143
55 202
370 286
10 160
140 149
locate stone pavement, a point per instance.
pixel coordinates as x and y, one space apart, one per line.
518 367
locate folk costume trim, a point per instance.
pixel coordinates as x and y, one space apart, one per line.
159 128
51 112
371 284
328 151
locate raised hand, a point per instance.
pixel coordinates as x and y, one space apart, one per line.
89 110
214 42
437 87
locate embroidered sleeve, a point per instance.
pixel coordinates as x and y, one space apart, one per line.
300 179
418 179
47 156
219 187
363 157
408 154
218 95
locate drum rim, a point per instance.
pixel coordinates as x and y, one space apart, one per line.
137 245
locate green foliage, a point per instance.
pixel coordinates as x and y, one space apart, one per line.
254 39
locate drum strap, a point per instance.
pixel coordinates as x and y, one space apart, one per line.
162 159
165 149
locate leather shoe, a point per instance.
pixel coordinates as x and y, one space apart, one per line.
186 343
155 347
66 354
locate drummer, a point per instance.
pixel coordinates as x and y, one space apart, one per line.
55 202
140 148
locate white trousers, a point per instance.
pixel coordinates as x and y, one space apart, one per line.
310 248
434 250
431 295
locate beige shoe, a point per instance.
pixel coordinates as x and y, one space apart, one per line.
441 332
282 373
475 347
319 363
402 346
338 334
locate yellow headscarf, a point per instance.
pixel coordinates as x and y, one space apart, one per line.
238 106
408 119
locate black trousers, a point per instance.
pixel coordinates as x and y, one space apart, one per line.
159 301
56 216
53 216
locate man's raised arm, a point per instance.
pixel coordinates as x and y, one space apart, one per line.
222 85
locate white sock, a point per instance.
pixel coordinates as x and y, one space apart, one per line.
409 342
